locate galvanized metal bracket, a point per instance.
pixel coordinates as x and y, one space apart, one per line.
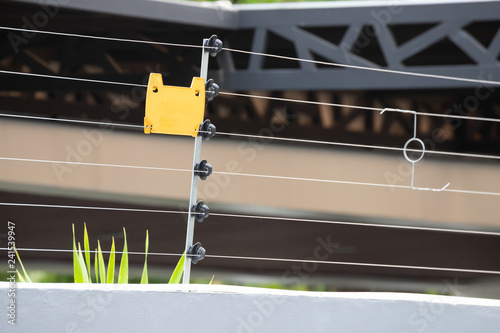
206 130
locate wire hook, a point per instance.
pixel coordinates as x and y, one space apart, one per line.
405 151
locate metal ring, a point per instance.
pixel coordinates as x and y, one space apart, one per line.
406 147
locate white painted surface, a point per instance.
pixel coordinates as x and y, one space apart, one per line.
211 308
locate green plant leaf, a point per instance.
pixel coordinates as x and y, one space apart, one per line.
179 269
87 249
144 278
81 261
19 275
77 269
25 277
111 263
123 272
102 267
96 268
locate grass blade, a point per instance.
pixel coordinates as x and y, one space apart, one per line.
96 268
21 279
102 267
87 249
77 269
144 278
179 269
111 263
26 277
81 261
123 272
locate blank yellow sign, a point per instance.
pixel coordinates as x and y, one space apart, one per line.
174 110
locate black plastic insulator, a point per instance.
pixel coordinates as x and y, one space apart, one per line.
207 130
214 44
204 169
196 252
211 90
202 211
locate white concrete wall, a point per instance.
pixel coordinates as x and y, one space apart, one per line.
71 308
